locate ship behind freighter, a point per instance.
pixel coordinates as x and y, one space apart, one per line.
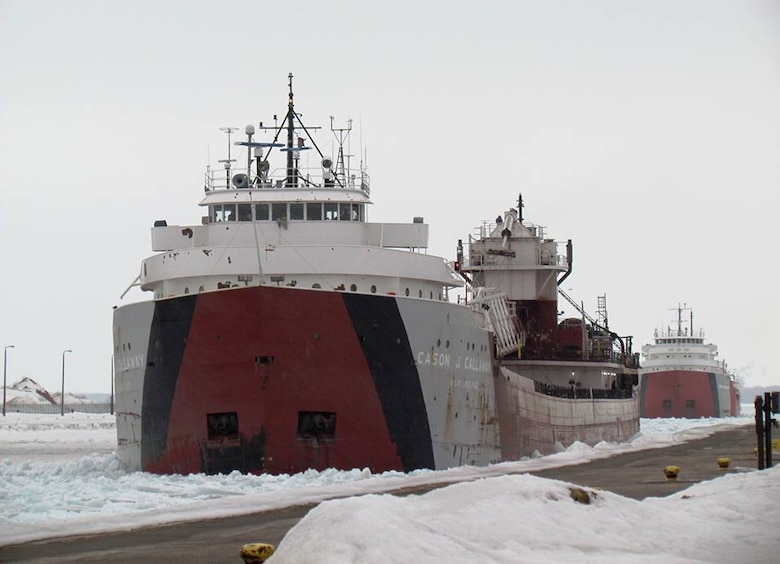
287 332
681 375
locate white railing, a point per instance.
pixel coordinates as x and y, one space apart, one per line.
222 179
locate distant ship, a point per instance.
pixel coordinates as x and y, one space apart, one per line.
287 332
681 376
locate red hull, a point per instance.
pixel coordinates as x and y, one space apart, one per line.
687 394
266 380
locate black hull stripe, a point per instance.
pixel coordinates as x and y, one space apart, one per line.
385 343
167 341
713 378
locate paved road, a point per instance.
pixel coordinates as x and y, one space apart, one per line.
636 475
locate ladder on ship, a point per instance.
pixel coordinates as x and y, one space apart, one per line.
499 318
602 309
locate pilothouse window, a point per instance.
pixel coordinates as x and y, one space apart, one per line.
224 212
278 211
296 211
228 212
244 212
314 211
261 212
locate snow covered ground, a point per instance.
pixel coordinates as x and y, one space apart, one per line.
60 476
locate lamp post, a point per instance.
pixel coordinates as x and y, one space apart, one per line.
62 392
5 358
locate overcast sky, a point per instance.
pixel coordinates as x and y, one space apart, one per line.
648 132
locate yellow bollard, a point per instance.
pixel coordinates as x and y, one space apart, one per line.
580 496
671 473
256 552
724 462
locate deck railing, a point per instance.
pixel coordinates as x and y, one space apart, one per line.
573 392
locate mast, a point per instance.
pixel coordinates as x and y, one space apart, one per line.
291 176
680 309
520 208
226 162
679 320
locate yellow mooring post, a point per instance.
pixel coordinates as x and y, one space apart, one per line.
724 462
671 473
256 552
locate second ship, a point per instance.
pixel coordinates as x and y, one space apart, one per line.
682 376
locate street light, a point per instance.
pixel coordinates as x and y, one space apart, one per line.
5 352
62 396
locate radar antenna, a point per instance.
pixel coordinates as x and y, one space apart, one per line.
342 135
680 309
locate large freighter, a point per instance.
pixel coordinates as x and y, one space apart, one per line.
681 376
288 332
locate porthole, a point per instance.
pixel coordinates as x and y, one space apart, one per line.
407 291
352 288
186 290
447 344
438 343
373 289
419 293
316 285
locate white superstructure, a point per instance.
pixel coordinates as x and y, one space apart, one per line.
293 227
681 349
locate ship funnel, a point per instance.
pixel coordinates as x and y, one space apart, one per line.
240 181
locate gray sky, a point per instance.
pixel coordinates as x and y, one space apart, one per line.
646 131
